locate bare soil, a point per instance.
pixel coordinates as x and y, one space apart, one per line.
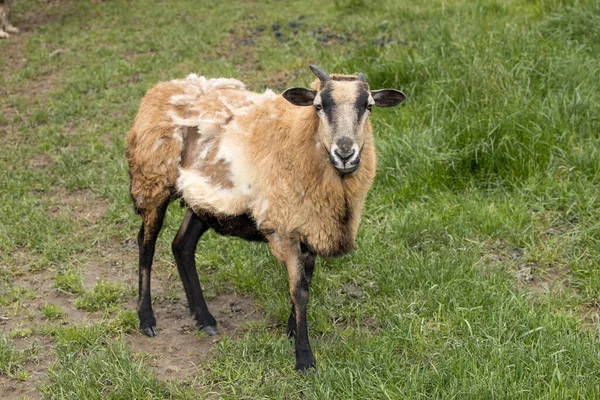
176 353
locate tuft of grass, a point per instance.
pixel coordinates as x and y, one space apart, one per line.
77 338
52 311
104 295
16 295
125 321
69 281
21 332
12 359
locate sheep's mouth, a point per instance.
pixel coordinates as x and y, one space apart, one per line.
347 170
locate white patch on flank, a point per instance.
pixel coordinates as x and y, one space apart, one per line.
232 150
199 193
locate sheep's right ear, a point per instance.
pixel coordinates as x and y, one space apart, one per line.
300 96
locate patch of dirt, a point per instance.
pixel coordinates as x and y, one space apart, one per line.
239 46
178 350
176 353
80 205
552 275
530 274
329 37
590 314
41 161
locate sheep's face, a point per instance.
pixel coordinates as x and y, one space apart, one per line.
343 105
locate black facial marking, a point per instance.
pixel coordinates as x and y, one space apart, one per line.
327 102
361 103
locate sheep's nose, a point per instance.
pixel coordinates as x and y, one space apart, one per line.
344 156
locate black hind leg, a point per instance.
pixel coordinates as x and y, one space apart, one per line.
151 225
184 249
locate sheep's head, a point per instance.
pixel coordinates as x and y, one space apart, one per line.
343 105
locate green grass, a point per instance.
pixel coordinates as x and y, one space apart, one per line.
107 372
489 172
104 295
52 311
69 281
12 359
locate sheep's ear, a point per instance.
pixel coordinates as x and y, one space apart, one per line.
387 97
300 96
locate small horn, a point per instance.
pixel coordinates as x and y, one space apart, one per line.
322 75
361 77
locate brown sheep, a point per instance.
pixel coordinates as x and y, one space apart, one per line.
256 166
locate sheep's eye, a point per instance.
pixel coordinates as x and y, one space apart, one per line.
369 107
318 107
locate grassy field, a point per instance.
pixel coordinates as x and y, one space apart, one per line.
477 268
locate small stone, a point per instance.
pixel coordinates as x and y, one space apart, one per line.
352 291
235 307
57 52
275 27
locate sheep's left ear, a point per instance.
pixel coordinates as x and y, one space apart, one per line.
387 97
300 96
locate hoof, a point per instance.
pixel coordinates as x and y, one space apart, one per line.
305 367
210 330
3 34
149 331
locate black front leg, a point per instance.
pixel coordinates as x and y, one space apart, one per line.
304 356
298 280
308 261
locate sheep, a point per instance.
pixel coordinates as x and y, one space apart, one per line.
292 170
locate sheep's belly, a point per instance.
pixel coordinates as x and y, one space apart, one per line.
242 226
